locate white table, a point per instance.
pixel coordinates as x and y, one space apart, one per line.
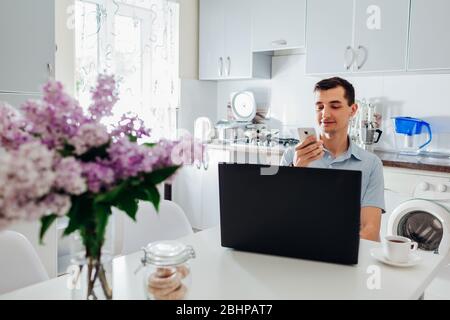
221 273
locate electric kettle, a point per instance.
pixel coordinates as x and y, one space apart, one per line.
203 130
412 135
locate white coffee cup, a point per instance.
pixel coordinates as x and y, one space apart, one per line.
398 249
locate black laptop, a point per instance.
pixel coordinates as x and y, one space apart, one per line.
297 212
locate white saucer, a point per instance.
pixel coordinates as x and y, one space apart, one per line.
378 254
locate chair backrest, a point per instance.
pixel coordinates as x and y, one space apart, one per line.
169 223
19 263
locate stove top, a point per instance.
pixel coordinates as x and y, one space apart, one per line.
288 142
285 142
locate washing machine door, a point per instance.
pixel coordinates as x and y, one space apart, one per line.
423 221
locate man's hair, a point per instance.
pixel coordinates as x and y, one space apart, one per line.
335 82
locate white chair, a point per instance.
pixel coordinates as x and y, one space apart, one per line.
169 223
19 263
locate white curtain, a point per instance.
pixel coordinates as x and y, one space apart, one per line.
137 40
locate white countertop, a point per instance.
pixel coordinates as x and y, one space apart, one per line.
250 148
225 274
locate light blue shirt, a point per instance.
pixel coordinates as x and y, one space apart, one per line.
355 158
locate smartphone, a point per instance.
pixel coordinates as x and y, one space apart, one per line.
304 133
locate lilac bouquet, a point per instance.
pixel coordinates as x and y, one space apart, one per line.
55 161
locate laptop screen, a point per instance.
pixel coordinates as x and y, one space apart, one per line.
297 212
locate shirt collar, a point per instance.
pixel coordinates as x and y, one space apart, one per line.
353 150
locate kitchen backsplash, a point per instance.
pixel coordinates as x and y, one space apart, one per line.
289 94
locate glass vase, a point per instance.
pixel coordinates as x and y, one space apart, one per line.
90 277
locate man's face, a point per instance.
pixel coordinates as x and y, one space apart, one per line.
333 113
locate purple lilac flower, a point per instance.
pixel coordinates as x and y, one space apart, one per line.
36 181
69 176
99 176
12 134
68 110
30 172
187 151
57 204
104 97
89 135
128 159
53 123
26 176
130 125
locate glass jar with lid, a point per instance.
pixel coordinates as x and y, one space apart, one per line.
167 274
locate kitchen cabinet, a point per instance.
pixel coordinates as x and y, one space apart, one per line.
429 42
16 100
357 36
225 50
329 26
196 190
27 40
278 24
381 35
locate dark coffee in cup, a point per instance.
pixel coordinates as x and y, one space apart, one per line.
397 241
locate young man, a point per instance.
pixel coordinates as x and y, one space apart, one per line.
335 107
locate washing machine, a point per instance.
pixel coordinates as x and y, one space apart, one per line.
418 207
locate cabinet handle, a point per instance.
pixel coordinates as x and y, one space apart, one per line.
221 66
366 54
229 66
205 161
280 42
50 70
349 65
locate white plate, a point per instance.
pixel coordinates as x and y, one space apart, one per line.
378 254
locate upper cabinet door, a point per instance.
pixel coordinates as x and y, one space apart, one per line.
278 24
329 36
27 40
429 43
238 40
212 39
381 35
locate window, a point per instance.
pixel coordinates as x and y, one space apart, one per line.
136 40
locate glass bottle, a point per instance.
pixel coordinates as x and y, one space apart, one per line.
167 274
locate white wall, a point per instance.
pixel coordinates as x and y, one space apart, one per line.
198 98
65 41
290 96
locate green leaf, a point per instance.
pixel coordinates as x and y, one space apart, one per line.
95 153
129 204
132 138
142 193
80 214
158 176
155 197
67 151
112 195
46 222
135 182
149 145
72 227
102 213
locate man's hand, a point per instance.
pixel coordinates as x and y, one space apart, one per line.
370 223
308 151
